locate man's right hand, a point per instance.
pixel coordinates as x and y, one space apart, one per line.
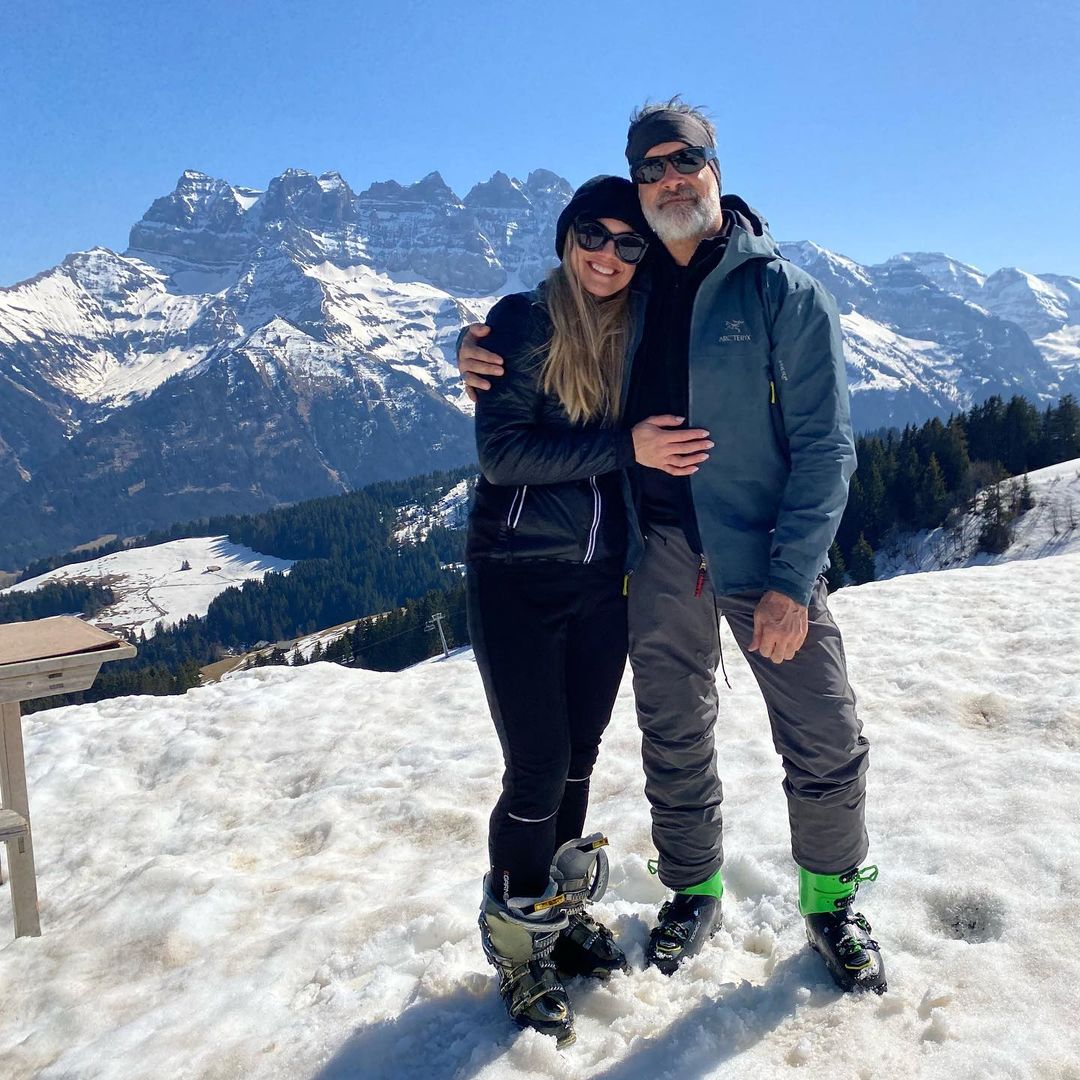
660 443
475 362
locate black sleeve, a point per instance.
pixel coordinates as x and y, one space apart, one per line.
513 447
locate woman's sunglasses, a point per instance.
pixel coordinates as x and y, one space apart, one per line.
592 236
690 159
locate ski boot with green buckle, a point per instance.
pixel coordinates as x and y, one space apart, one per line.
840 935
686 922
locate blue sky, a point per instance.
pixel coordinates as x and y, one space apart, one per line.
868 126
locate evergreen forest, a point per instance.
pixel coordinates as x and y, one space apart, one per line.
350 569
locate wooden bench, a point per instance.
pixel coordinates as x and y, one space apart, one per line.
38 659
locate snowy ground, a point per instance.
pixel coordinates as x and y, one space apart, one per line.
1051 527
150 586
278 876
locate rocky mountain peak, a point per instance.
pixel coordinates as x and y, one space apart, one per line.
544 181
433 188
197 201
333 181
298 196
498 193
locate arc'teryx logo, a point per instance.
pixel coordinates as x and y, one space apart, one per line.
736 331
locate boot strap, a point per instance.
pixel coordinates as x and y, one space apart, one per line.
593 880
545 981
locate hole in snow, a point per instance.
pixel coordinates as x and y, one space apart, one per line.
974 917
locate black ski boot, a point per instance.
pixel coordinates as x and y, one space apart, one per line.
840 935
687 921
585 947
518 936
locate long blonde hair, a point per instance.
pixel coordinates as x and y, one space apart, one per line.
587 349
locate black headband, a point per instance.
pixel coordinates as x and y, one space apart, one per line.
668 126
662 127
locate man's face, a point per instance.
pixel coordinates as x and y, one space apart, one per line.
679 206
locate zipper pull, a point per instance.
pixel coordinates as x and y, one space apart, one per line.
626 585
700 577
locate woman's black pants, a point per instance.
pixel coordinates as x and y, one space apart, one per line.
550 643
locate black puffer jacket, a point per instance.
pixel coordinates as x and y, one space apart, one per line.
550 489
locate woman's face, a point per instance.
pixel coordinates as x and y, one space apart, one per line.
602 272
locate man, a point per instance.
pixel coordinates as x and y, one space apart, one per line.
738 514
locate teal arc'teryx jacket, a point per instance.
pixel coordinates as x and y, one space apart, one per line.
767 380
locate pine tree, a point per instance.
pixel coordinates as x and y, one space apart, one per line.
996 533
862 563
1062 431
1026 500
933 499
908 481
1022 433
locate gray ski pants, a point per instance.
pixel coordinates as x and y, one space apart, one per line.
674 653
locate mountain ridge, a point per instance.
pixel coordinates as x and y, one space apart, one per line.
375 286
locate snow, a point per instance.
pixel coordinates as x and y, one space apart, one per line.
880 358
1021 296
839 264
280 343
416 521
150 586
952 275
278 875
1051 527
1062 348
114 317
246 197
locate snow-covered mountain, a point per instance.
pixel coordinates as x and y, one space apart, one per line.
926 335
248 882
251 348
257 347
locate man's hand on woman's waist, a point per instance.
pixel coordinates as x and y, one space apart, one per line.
474 362
659 441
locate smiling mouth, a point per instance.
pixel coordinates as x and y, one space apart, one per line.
606 271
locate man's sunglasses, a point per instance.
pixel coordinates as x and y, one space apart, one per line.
592 236
690 159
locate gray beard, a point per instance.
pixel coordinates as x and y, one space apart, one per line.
674 224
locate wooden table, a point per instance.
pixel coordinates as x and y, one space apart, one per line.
38 659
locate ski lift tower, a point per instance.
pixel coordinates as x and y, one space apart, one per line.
436 622
38 659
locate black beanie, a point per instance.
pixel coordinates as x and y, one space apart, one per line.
668 125
602 196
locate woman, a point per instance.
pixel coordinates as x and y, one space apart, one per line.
546 549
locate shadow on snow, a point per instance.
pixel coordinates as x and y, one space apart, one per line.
455 1037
